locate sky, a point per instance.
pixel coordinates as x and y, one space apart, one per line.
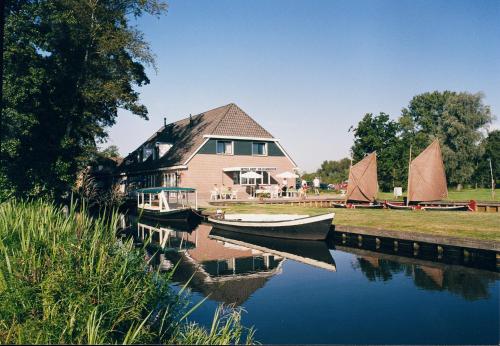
308 70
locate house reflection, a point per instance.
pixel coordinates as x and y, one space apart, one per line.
225 266
469 283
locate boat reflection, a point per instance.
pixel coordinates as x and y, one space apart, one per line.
469 283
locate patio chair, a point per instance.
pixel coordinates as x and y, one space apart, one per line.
234 194
214 195
275 191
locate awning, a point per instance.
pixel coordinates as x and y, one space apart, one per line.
246 169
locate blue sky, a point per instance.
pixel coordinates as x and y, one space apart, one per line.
308 70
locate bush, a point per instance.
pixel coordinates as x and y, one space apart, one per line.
67 279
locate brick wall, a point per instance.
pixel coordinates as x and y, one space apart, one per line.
205 170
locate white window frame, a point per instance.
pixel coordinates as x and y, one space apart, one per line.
225 141
251 181
265 149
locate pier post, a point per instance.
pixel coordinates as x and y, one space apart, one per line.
416 247
377 243
396 246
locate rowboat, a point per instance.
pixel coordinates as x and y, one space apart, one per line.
450 208
399 206
277 226
167 203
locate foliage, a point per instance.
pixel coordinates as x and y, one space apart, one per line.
68 66
67 279
457 120
491 147
226 329
111 152
380 134
331 172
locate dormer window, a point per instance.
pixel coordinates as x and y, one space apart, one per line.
163 148
259 148
147 152
225 147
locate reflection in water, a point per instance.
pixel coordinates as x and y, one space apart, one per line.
471 284
295 286
230 267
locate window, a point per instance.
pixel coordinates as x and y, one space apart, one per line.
225 147
259 149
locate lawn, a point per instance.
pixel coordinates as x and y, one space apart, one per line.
483 226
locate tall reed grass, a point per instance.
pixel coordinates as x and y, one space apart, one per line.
67 279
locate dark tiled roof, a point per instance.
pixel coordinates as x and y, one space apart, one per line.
187 135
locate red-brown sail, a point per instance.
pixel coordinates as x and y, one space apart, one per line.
427 178
363 184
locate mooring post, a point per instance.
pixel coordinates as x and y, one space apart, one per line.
416 247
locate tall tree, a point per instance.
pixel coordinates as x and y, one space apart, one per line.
458 120
379 133
491 151
69 65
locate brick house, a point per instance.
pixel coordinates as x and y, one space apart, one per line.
214 147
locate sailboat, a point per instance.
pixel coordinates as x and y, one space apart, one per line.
362 188
426 181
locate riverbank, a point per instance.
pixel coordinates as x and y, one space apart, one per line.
461 225
65 278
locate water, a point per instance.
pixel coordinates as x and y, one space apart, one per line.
319 292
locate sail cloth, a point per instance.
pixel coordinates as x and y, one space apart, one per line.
427 178
363 184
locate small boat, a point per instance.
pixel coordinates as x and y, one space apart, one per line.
399 206
278 225
167 203
358 205
366 206
447 208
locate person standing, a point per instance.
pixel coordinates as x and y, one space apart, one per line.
316 183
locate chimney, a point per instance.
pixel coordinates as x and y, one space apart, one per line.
190 120
164 121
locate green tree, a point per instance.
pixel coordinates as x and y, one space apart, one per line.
68 66
491 147
457 120
379 133
111 152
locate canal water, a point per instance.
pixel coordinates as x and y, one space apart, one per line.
330 292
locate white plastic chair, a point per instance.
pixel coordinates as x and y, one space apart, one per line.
214 194
234 194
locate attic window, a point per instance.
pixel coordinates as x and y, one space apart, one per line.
163 148
225 147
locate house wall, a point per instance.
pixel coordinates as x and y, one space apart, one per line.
205 170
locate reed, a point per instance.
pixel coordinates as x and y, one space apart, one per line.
68 279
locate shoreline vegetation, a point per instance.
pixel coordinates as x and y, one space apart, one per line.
468 225
68 279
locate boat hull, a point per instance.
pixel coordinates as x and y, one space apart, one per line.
399 206
178 214
453 208
311 228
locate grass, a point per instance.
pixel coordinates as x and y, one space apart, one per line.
67 279
482 226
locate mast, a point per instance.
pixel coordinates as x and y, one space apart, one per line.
492 182
408 179
348 181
